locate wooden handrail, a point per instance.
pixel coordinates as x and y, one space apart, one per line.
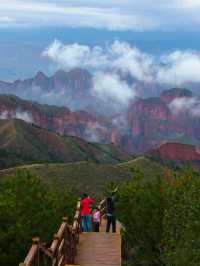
32 252
63 248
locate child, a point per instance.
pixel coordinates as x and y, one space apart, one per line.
96 219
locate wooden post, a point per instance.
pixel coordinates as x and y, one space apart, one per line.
65 251
33 252
65 219
36 241
74 243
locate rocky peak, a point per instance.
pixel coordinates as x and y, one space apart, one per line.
40 76
151 106
60 73
17 81
79 72
169 95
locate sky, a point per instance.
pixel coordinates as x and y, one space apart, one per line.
28 27
143 15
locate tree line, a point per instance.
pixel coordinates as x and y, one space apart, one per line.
160 216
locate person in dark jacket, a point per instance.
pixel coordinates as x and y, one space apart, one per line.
111 217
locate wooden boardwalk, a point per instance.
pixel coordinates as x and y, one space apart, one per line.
92 249
99 249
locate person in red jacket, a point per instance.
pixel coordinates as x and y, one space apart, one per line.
86 213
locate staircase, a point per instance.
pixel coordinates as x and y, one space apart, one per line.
71 247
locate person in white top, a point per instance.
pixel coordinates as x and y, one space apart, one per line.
96 219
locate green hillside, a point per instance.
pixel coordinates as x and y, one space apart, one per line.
23 143
88 176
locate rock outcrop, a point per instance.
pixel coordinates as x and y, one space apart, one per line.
176 152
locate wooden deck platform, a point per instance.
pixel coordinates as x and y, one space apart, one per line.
100 249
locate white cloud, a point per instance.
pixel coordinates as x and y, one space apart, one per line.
70 56
4 115
120 121
190 3
184 104
26 116
174 69
6 19
179 68
131 60
93 132
116 56
109 87
23 115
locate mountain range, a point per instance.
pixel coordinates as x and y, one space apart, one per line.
147 123
75 89
173 116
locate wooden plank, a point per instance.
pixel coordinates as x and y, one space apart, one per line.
100 249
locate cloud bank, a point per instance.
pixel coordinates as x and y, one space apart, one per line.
175 69
105 62
117 56
143 15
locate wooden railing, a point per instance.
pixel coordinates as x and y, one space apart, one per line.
63 248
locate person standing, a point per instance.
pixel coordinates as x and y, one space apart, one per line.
111 217
96 219
86 213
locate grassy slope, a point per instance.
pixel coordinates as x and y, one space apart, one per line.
88 176
22 143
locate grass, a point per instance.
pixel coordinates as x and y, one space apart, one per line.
23 143
88 176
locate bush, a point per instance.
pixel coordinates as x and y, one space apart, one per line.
161 219
140 211
27 209
182 219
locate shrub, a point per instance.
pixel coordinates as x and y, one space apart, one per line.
182 219
27 209
140 211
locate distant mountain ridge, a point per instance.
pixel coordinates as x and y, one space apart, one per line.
23 143
172 117
59 119
62 88
76 79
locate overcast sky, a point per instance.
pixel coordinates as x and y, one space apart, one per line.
27 27
143 15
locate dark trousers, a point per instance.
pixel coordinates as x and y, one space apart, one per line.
111 220
96 226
